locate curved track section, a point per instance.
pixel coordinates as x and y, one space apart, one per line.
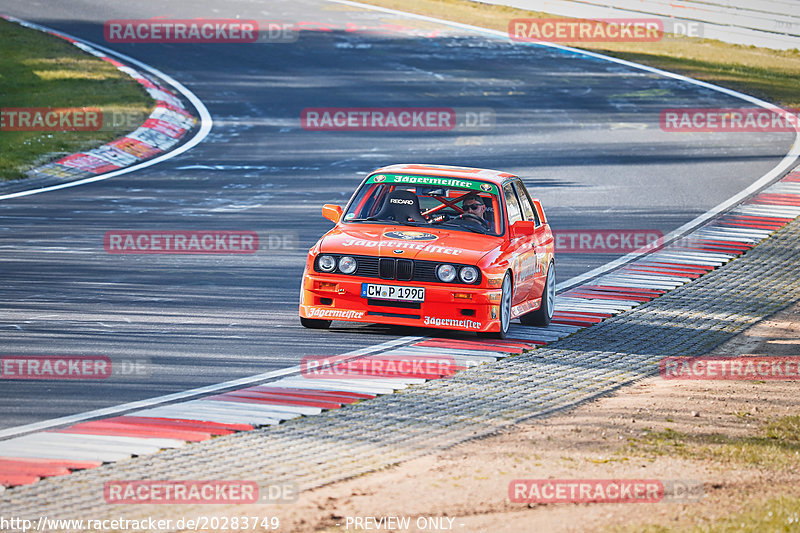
581 130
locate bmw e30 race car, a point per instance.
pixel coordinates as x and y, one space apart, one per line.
433 246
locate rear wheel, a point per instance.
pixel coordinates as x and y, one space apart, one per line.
313 323
542 316
505 311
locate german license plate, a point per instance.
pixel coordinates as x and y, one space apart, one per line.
396 293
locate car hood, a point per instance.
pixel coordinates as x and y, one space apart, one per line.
404 242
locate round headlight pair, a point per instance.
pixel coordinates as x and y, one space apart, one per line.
327 263
447 273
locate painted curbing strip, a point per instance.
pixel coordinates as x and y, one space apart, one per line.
110 441
183 395
677 256
349 386
261 407
31 452
210 417
197 407
233 408
332 385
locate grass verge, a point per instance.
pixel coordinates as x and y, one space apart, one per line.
768 74
772 515
40 70
775 448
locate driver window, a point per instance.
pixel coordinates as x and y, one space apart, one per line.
527 205
514 213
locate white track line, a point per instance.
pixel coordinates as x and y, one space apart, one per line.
255 407
209 389
206 122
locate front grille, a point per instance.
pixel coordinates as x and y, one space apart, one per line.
389 268
367 267
405 269
426 271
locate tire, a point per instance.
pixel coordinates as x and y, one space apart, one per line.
541 317
505 311
313 323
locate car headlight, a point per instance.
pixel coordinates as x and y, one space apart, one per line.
468 274
347 264
446 273
326 263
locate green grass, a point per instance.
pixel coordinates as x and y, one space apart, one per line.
40 70
776 446
768 74
773 515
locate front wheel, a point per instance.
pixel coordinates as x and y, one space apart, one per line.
505 311
313 323
542 316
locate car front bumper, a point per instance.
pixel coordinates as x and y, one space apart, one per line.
446 306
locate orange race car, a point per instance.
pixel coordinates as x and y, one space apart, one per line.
433 246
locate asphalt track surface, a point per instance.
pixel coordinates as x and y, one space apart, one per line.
582 132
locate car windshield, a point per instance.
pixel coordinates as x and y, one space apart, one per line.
430 201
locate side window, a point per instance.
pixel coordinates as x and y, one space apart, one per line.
527 205
514 213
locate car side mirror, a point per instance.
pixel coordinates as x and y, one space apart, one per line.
522 228
332 212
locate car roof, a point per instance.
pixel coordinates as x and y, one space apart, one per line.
493 176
